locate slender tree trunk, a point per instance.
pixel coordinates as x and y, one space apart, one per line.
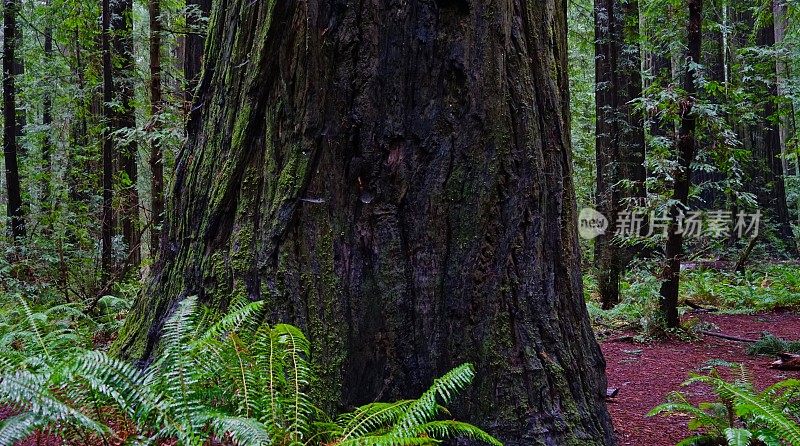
195 43
767 173
108 146
125 118
156 154
19 72
779 10
406 199
10 122
619 133
682 175
47 118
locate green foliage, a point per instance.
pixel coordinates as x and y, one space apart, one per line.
741 415
759 289
236 379
769 288
770 344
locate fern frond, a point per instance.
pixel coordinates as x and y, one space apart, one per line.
701 418
296 348
29 391
389 440
31 318
738 436
445 388
443 430
119 381
748 404
239 315
243 431
371 417
20 427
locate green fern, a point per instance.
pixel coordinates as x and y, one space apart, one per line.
235 380
743 415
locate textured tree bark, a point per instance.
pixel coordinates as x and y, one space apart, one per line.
195 42
107 226
619 140
682 175
156 106
124 117
395 178
10 144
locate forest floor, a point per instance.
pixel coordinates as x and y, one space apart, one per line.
646 373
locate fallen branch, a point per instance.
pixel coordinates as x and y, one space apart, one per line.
728 337
700 309
787 361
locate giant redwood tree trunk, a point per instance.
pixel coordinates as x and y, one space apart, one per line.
395 178
619 139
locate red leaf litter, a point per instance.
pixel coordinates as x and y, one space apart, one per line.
646 373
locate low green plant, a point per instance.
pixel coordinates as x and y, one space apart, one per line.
770 344
741 415
236 380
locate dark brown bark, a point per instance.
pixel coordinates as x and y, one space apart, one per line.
108 147
47 119
19 72
156 105
396 181
682 175
194 44
10 132
124 117
619 133
767 167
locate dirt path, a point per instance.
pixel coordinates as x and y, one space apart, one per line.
645 373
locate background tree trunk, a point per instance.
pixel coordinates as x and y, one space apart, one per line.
683 174
619 133
766 172
156 105
10 144
108 148
47 117
195 42
397 182
125 118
